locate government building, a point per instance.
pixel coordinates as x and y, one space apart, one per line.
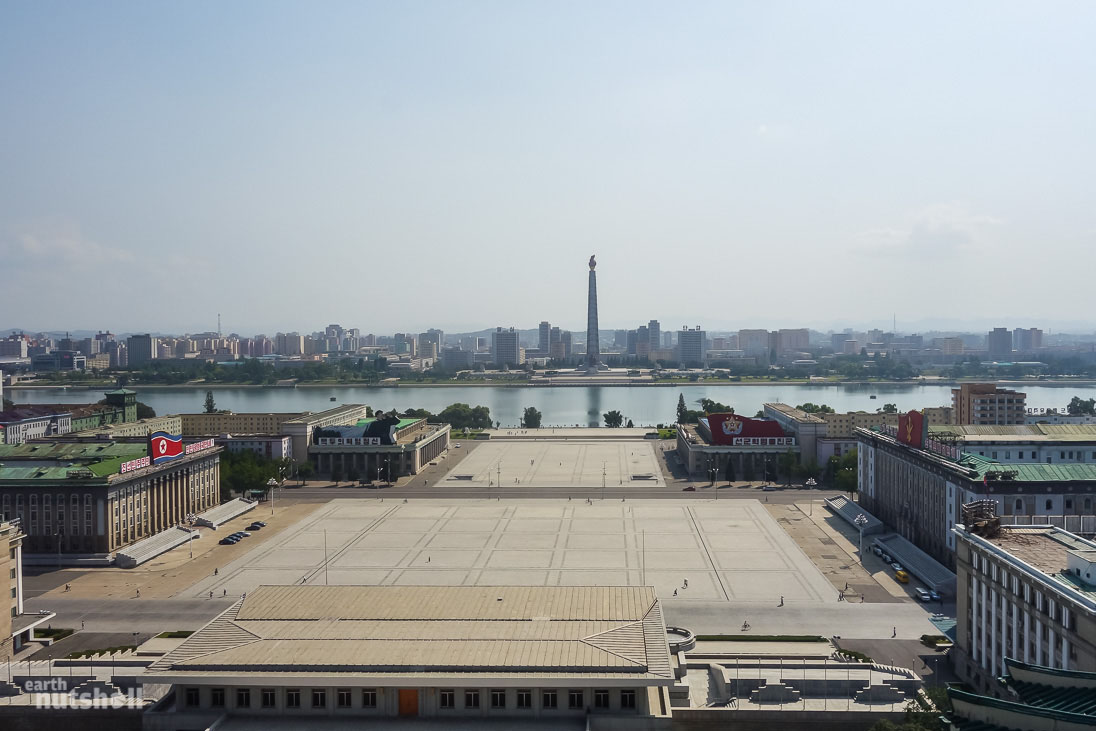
87 499
382 447
917 481
498 657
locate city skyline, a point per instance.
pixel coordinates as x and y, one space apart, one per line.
865 157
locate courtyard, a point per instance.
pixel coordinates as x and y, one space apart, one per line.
732 551
558 463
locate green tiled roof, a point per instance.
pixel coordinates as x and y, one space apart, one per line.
1035 472
54 461
1067 700
403 422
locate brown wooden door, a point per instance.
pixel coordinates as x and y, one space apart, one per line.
409 702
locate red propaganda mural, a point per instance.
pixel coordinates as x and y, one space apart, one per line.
735 430
911 429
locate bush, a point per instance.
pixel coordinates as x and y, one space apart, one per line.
53 634
934 640
177 634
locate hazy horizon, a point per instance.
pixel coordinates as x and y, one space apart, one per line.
396 167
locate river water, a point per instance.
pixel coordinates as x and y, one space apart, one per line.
560 405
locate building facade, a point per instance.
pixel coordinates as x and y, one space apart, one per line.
141 350
1026 593
919 490
691 348
501 655
985 404
385 448
91 498
506 348
228 422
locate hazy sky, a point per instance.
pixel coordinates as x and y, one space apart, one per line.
396 166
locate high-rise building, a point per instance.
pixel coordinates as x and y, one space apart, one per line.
643 342
754 342
1027 340
999 344
620 338
667 340
633 337
505 348
565 338
654 334
545 341
142 349
593 346
795 340
691 347
985 404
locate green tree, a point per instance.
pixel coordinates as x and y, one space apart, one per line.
210 404
305 470
531 418
815 408
613 419
1078 406
842 471
748 473
145 411
630 424
715 407
787 463
890 408
682 409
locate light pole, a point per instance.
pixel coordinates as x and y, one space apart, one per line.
861 521
272 484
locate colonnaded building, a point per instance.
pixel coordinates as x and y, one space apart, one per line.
87 499
309 655
380 447
726 444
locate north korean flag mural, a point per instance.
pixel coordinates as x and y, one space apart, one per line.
736 430
163 447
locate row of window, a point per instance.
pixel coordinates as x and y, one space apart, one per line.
549 699
344 698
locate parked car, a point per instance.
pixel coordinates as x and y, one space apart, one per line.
457 445
922 594
259 523
690 488
902 577
886 557
228 541
896 566
877 550
254 526
768 488
935 596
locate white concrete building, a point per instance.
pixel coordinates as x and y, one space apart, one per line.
1027 593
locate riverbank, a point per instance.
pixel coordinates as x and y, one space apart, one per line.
569 383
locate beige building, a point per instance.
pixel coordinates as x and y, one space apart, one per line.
985 404
1027 593
227 422
593 656
301 428
15 626
140 428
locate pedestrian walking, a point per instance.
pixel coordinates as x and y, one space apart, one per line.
68 586
686 583
894 632
225 592
138 593
675 592
781 601
846 586
216 571
81 624
210 593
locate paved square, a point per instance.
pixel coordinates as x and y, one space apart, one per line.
729 551
579 463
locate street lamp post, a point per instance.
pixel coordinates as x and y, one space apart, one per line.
861 521
272 484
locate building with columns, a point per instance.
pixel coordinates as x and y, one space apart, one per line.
1026 593
733 447
384 448
88 499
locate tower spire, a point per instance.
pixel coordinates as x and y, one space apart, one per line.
593 345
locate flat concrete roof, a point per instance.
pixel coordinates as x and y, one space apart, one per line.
555 462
